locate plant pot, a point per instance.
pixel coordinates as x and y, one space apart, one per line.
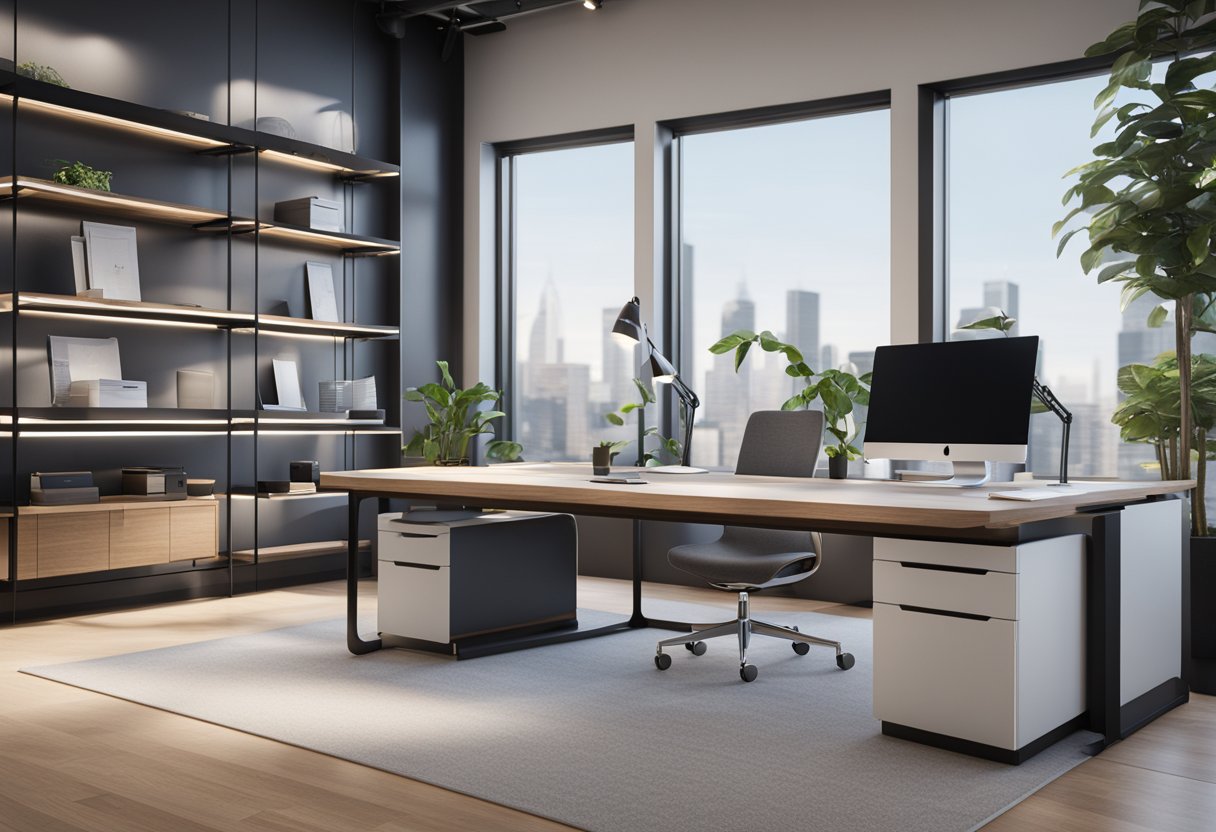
452 463
601 461
838 467
1203 614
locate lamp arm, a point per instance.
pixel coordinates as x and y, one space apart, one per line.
1043 393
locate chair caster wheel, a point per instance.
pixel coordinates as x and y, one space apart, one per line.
845 660
801 648
748 673
662 661
697 648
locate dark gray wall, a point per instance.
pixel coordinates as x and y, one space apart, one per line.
323 66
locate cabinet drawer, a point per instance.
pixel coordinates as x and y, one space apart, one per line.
974 555
139 538
415 547
71 543
950 675
993 594
193 532
414 601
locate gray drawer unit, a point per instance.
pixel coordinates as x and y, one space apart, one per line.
497 574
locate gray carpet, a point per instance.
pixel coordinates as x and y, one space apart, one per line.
590 733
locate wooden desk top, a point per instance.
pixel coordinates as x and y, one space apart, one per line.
822 504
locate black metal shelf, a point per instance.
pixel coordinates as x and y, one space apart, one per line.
193 133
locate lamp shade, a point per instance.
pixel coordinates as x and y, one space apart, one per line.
661 369
628 327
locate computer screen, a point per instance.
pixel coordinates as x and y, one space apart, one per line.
960 400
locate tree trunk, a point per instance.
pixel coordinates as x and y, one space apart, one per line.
1182 337
1199 510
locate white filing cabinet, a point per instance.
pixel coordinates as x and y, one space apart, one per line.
497 572
979 643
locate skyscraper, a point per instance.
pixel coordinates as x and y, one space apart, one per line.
617 362
1003 295
801 330
727 393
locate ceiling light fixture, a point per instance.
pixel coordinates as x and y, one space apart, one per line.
593 5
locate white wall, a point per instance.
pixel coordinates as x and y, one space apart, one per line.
641 61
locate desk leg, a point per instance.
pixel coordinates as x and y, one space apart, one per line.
1102 629
637 619
354 643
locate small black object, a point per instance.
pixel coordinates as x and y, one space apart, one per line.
845 660
274 486
305 470
370 413
601 460
748 673
697 648
801 648
662 661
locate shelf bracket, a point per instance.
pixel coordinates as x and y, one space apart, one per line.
227 150
226 224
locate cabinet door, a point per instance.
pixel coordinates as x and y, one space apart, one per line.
71 543
193 532
139 537
27 548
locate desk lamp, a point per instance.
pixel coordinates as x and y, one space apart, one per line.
630 330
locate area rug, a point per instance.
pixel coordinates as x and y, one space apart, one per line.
590 733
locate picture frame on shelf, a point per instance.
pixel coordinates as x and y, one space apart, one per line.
322 295
112 259
286 385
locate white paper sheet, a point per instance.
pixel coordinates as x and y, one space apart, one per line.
287 383
80 359
112 259
321 293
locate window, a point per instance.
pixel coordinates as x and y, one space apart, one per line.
784 227
569 266
1006 154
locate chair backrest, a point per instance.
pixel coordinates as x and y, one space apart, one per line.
781 443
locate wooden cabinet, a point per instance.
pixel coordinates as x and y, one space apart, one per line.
193 532
69 543
113 534
139 538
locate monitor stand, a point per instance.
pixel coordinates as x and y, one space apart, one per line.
966 475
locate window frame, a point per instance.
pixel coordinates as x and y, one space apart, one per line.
675 341
933 147
505 154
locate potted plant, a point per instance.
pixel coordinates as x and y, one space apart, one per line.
646 457
1149 200
456 418
839 391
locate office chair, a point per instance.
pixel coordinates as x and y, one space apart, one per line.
775 444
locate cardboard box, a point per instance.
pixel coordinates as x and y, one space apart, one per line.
311 212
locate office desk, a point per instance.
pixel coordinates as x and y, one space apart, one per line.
871 508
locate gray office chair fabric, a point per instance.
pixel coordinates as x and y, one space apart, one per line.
775 444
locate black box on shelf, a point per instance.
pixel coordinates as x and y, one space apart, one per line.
61 479
305 470
64 496
166 483
311 212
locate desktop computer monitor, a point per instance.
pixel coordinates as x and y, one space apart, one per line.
965 402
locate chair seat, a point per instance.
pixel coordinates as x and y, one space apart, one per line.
744 556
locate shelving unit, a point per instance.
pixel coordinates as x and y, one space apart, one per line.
247 333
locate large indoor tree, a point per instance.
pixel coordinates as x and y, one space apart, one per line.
1150 193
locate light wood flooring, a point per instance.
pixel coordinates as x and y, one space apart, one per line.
73 760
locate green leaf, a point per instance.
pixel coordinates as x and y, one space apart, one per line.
793 403
741 353
1199 243
447 377
1157 317
644 391
632 406
614 419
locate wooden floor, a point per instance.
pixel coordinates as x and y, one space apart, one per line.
74 760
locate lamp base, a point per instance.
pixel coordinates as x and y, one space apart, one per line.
675 469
